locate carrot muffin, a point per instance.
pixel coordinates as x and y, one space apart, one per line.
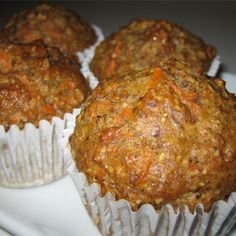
57 26
160 135
37 82
146 42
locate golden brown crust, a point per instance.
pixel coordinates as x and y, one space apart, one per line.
37 82
57 26
143 43
162 135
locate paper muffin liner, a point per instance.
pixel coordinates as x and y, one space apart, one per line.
86 56
31 156
114 217
214 67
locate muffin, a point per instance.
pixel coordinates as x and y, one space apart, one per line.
57 26
143 43
163 135
39 88
37 82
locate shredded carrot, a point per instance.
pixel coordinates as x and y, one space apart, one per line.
14 118
186 97
49 109
117 47
126 112
5 62
193 166
157 75
112 65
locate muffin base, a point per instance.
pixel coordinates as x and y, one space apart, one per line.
31 156
117 218
114 217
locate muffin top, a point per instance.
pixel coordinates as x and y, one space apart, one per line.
143 43
161 135
57 26
37 82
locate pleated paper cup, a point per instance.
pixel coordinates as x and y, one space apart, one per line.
214 67
86 57
114 217
117 218
31 157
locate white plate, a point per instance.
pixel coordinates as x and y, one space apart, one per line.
230 81
54 209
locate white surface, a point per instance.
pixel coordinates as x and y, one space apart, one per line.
230 81
54 209
4 233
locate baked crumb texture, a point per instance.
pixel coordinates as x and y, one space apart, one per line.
157 136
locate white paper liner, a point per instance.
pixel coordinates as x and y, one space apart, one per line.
117 218
86 56
214 67
31 156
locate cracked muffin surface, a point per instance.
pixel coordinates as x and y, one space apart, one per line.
37 82
143 43
55 25
160 135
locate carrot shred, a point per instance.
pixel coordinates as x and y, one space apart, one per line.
14 118
49 109
112 65
5 62
156 76
126 112
186 97
117 47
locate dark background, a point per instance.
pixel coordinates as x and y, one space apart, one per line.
213 21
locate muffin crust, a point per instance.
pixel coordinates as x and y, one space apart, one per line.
37 82
143 43
161 135
57 26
